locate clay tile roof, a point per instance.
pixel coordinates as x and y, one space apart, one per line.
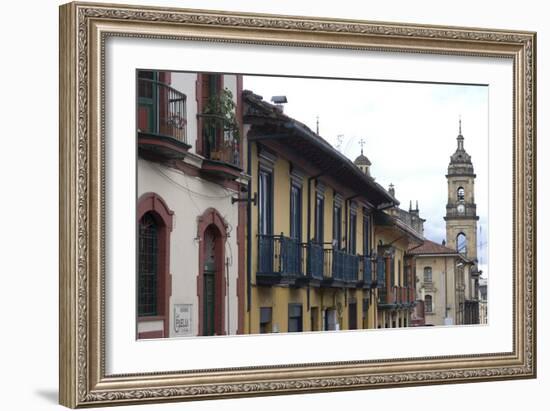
429 247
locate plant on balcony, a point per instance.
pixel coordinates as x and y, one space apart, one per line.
221 108
219 116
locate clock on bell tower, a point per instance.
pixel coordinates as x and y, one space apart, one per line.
461 217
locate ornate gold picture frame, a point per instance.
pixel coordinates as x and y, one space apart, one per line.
85 28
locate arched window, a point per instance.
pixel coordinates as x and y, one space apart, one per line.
460 194
461 243
148 266
154 221
427 274
428 306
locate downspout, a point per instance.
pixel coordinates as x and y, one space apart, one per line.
249 233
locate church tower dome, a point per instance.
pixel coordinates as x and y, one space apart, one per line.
362 161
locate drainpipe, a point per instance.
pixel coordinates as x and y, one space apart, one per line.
309 208
249 232
227 294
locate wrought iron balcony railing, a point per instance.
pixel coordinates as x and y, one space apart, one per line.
162 110
220 139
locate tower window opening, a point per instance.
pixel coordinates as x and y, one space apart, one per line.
460 194
461 243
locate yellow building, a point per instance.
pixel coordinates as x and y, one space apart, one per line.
396 231
311 245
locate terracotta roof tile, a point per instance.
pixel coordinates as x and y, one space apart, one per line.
429 247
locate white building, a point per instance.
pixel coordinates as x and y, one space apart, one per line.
190 253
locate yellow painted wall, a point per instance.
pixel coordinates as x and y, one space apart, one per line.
279 297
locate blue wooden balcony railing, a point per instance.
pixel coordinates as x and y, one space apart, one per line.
315 260
278 254
366 268
343 266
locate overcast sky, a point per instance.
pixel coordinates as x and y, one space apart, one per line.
409 130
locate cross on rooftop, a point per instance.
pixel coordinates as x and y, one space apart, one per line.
362 143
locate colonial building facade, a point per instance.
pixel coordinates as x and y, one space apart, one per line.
397 230
314 260
190 231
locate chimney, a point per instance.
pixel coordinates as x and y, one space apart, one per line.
279 101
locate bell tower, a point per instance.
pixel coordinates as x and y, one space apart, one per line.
461 217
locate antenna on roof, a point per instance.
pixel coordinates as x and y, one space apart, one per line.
339 141
317 125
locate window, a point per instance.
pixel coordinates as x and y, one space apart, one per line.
265 198
295 212
460 194
148 262
295 323
461 243
427 274
428 303
265 320
366 245
319 218
154 224
337 226
353 232
214 84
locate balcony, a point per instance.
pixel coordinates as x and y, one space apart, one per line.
315 265
284 261
398 297
365 268
279 260
162 121
385 299
220 146
341 268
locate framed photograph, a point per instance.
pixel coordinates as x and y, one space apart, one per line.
259 204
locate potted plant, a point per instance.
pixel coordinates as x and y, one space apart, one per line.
219 112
